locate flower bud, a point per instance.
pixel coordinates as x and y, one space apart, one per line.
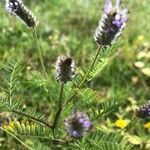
65 69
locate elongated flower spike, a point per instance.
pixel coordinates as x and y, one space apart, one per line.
112 23
77 124
143 111
65 69
17 8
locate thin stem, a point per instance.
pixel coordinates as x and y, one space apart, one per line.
40 53
14 136
10 97
91 67
59 108
71 97
33 118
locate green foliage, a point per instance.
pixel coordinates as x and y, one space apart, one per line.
11 73
103 60
114 87
104 109
88 97
18 107
98 67
104 141
27 129
38 145
3 104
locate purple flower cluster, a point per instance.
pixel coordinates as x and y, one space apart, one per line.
17 8
112 23
65 69
78 124
143 111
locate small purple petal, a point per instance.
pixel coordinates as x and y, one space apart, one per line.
81 120
117 23
124 19
75 134
118 17
108 6
124 11
87 124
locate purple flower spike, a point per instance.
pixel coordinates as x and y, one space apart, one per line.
112 23
78 124
65 68
143 111
17 8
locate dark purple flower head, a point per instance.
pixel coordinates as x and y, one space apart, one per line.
143 111
17 8
65 68
112 23
78 124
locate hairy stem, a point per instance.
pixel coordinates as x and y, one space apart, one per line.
40 53
33 118
59 108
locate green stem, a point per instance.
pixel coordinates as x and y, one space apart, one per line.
14 136
59 108
40 53
70 98
91 67
33 118
86 75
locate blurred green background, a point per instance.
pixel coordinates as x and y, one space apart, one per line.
67 27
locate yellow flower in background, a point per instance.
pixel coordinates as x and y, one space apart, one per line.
147 125
146 71
121 123
140 38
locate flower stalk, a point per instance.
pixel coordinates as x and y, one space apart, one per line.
91 67
33 118
59 109
40 54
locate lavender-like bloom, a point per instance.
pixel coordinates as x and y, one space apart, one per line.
112 23
143 111
17 8
78 124
65 68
